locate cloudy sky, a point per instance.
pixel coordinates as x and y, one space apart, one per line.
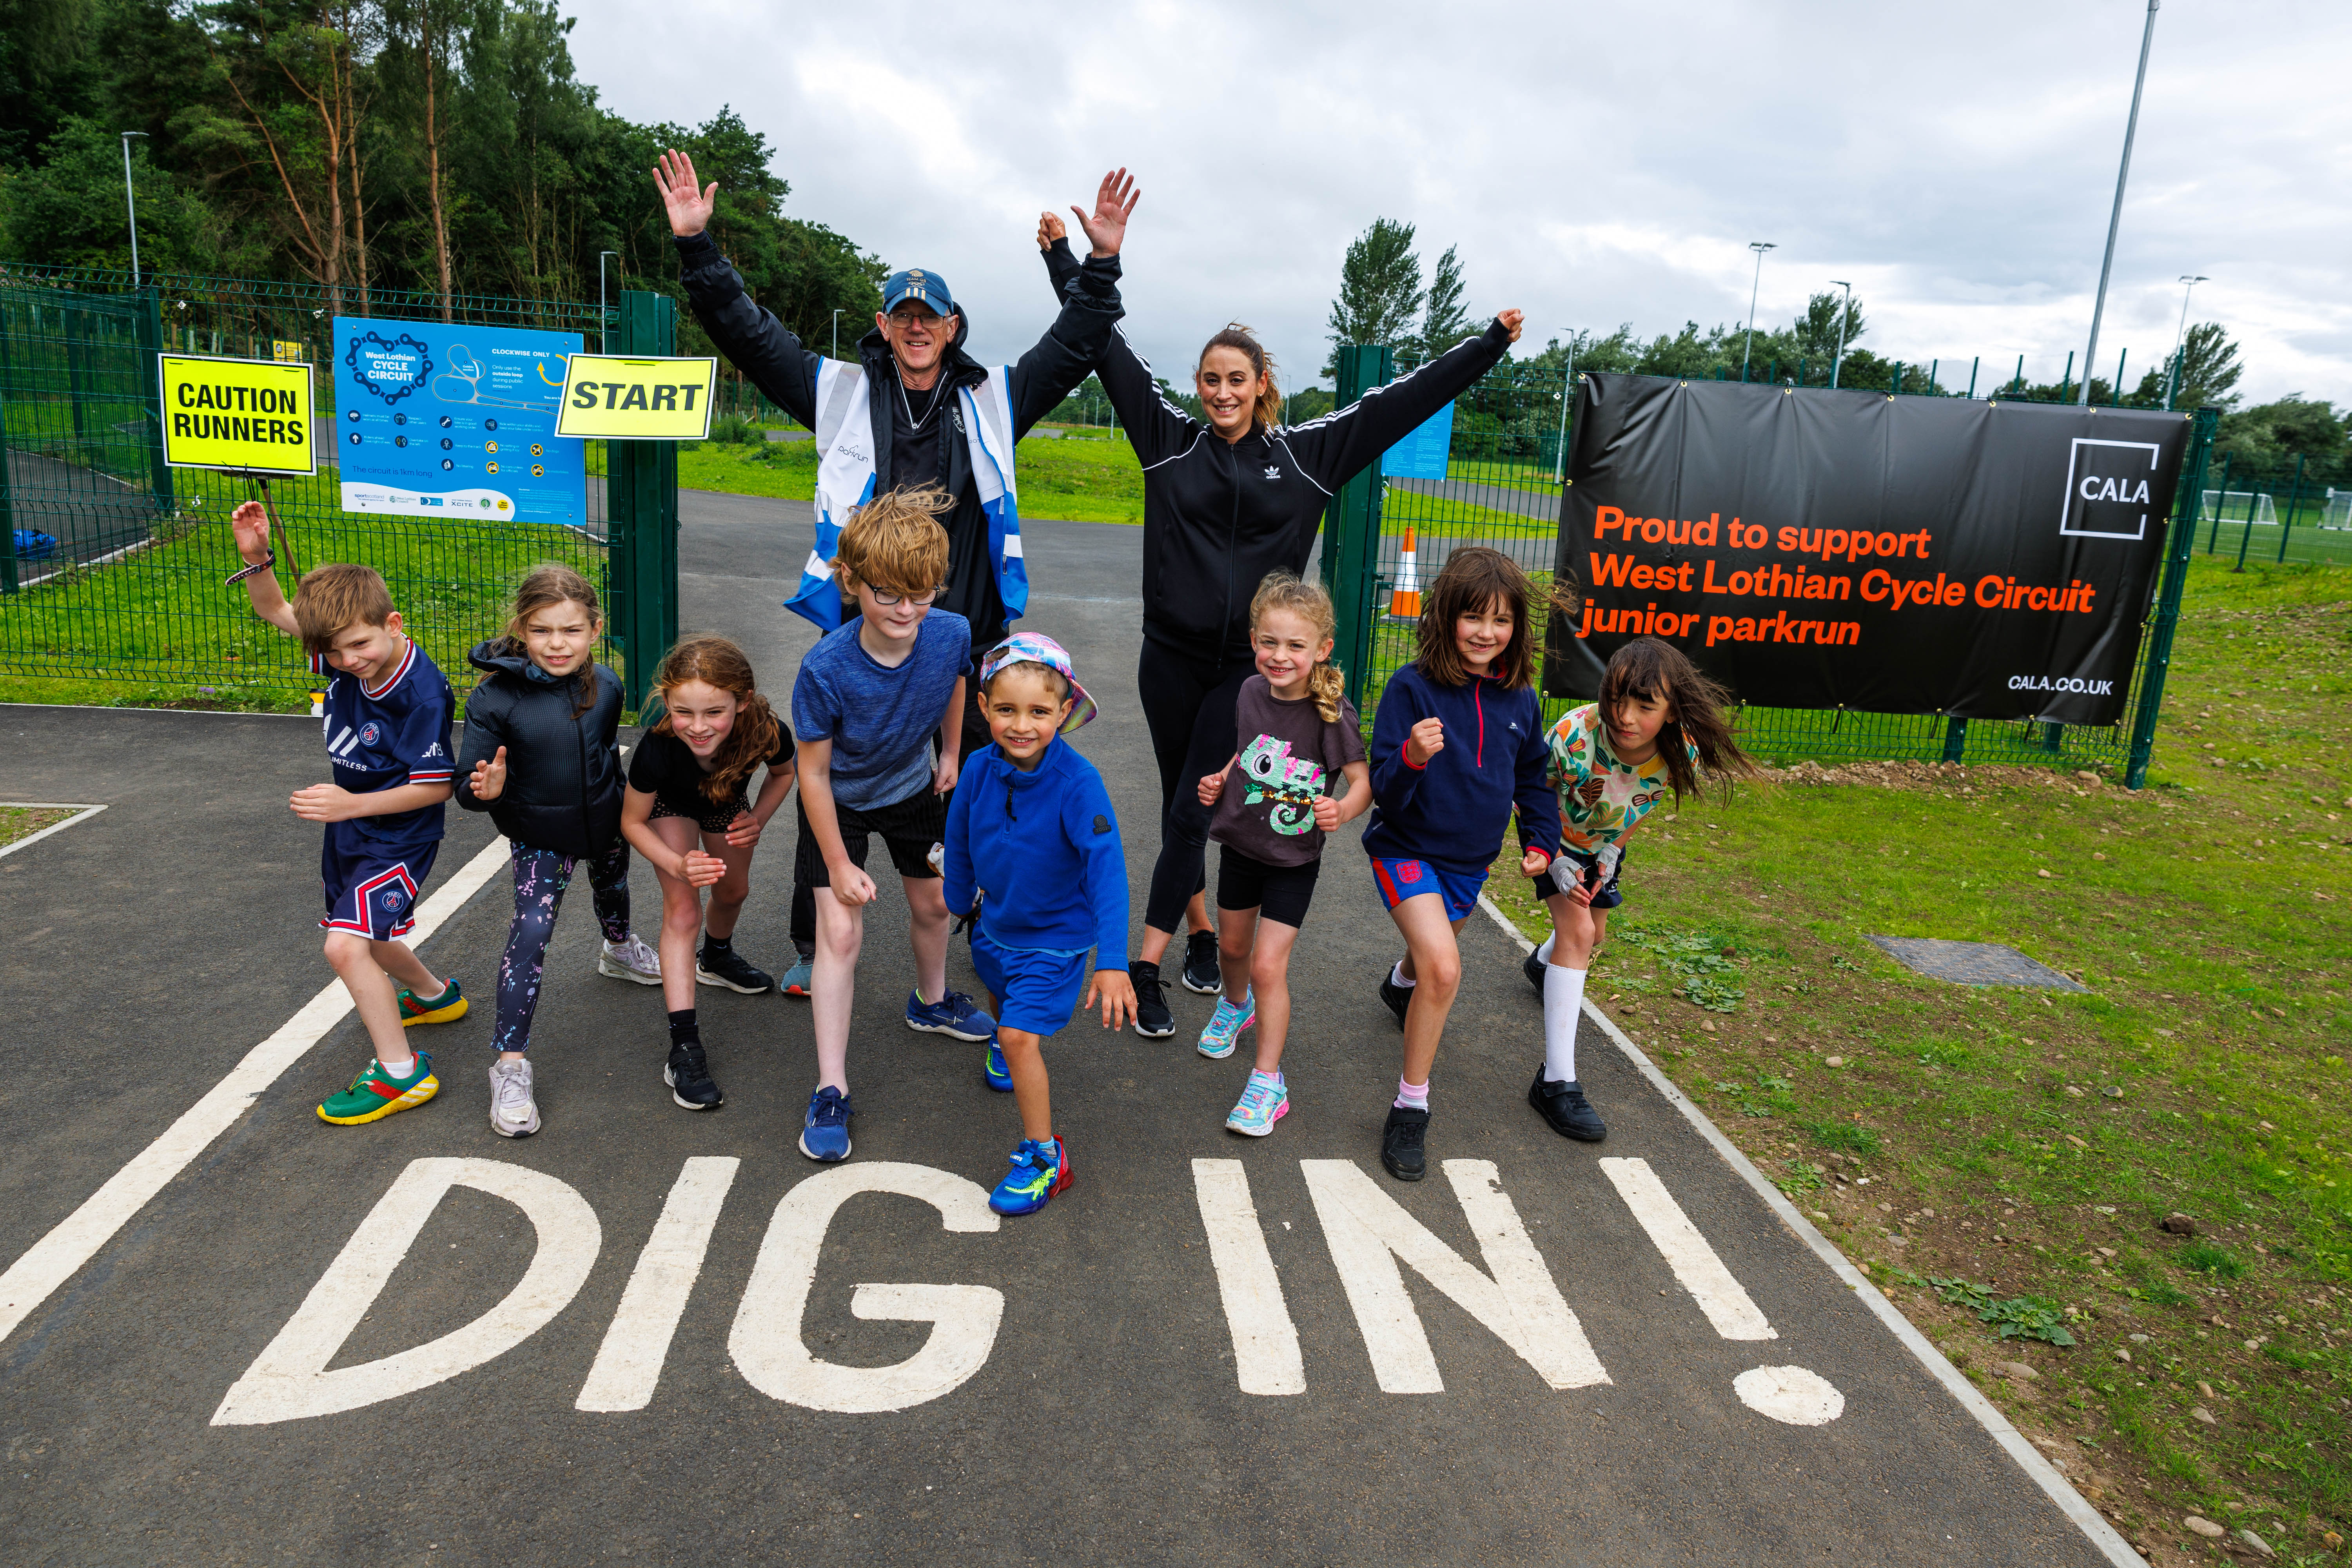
1595 165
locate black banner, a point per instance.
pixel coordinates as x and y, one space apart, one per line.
1818 549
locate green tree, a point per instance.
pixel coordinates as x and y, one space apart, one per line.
2208 369
68 209
1445 321
46 73
1380 291
2292 427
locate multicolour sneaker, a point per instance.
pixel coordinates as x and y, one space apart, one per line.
1261 1105
994 1072
446 1008
1039 1171
376 1094
1225 1026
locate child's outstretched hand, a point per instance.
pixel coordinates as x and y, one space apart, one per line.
1428 739
1118 994
250 523
1211 787
1326 812
489 779
697 869
744 831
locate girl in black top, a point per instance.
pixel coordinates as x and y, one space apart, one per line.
1227 501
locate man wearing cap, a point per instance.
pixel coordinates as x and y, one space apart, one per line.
915 408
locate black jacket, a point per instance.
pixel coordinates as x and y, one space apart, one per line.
1218 516
564 771
765 349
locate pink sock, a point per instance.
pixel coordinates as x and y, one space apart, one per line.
1412 1096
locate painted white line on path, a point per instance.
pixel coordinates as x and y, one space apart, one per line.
81 814
629 1364
1265 1341
1728 1306
2061 1491
57 1256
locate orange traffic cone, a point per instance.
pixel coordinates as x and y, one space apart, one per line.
1404 601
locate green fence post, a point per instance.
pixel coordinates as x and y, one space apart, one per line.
641 490
8 583
2286 525
1956 737
2221 502
2177 544
151 380
2245 535
1351 530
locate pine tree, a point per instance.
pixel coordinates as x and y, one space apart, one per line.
1380 291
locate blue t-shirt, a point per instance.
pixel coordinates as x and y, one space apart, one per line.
396 734
881 719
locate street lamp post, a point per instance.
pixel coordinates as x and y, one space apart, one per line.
1567 388
836 335
1844 310
130 202
1759 247
2180 339
2116 218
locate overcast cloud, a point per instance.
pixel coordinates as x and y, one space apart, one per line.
1595 165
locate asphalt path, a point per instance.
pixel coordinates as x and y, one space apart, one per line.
1199 1353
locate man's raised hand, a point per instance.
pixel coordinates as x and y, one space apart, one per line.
250 523
1114 201
689 207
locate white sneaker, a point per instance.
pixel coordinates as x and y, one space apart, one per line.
513 1114
630 959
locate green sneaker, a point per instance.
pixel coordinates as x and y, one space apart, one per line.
446 1008
376 1094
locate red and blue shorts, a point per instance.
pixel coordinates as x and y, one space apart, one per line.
371 892
1402 880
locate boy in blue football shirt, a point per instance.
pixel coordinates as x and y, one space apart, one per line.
388 715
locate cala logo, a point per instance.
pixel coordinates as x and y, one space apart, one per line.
2110 490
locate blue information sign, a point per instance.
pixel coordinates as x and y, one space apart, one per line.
1422 455
432 419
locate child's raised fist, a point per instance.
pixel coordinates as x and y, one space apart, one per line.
1212 786
1428 739
1326 812
698 869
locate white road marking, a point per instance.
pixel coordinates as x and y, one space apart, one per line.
80 814
1789 1394
289 1380
766 1341
1368 1232
1266 1341
629 1364
57 1256
1719 1295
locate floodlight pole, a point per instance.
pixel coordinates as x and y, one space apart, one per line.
1746 338
2115 219
1844 310
130 202
836 335
2180 339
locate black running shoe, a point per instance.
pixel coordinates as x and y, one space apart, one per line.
1200 963
1153 1021
725 966
1533 968
1401 1143
689 1076
1564 1106
1395 997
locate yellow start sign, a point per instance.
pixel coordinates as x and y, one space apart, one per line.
637 399
254 414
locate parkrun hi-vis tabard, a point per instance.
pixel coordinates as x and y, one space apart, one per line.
253 415
637 399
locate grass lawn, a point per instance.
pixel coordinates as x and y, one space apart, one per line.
18 821
2001 1160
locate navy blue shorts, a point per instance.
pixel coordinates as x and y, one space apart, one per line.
370 892
1573 866
1035 992
1400 879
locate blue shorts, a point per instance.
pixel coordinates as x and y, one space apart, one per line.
373 892
1035 992
1402 880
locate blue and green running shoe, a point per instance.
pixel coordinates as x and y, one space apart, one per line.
1039 1171
1225 1026
994 1072
376 1094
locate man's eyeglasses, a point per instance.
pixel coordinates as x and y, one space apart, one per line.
889 597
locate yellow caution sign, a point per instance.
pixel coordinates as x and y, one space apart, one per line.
254 414
637 399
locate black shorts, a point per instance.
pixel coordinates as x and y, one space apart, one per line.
1278 893
1573 866
710 815
911 828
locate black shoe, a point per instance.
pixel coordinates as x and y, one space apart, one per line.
1564 1106
1401 1142
1200 963
725 966
1533 968
1153 1021
1397 997
689 1076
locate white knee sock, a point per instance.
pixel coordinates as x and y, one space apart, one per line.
1543 954
1563 998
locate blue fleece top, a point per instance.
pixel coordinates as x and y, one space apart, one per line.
1452 812
1043 846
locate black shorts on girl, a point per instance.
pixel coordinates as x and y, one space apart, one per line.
910 829
1278 893
1573 867
712 819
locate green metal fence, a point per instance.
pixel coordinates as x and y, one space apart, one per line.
129 591
1502 489
2277 512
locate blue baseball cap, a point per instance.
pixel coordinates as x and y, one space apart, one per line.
924 287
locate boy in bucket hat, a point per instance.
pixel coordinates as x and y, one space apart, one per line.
1033 857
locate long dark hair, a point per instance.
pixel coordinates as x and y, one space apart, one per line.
1474 577
1240 339
1651 670
715 661
551 583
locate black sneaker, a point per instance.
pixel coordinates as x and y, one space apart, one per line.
1533 968
1396 997
1564 1106
725 966
1200 963
1153 1021
1401 1143
689 1076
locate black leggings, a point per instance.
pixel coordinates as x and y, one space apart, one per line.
541 878
1187 705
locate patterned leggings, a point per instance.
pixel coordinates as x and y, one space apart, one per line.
540 877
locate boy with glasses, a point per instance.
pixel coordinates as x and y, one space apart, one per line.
869 700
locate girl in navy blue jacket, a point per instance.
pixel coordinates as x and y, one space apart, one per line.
1458 741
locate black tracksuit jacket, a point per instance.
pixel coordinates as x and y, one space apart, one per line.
563 769
765 349
1219 516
